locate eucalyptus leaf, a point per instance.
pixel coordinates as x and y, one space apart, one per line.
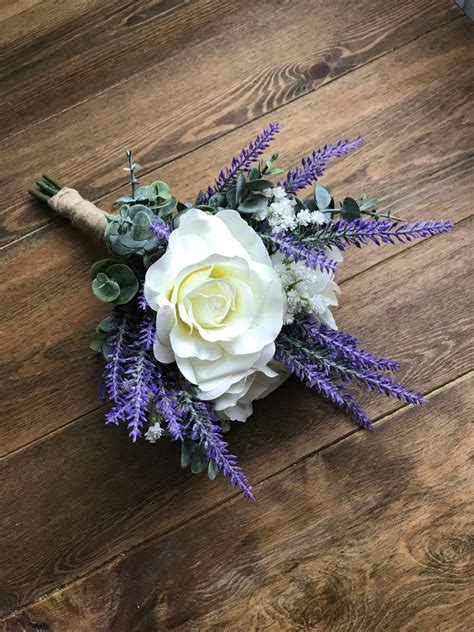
322 196
185 454
350 209
141 226
259 185
96 346
105 289
212 470
100 266
240 187
107 326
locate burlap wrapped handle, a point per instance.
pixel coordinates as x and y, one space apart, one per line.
83 215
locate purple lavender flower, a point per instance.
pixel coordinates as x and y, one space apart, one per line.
318 379
205 429
341 345
295 249
242 163
161 229
360 232
313 166
116 357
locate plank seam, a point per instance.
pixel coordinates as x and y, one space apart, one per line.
233 497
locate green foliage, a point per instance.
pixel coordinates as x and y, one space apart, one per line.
157 197
130 232
113 282
193 455
349 209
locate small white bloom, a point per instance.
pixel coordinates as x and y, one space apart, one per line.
318 218
154 433
304 217
279 193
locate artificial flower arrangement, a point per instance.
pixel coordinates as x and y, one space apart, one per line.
215 303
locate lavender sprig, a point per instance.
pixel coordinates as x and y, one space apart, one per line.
341 345
344 370
360 232
313 166
204 427
115 366
318 379
295 249
242 163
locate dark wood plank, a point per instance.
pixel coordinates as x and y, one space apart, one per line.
372 533
85 144
96 494
50 314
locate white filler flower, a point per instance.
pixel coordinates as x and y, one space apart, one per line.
220 306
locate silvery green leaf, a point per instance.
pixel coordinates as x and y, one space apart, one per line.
252 204
322 196
107 326
240 186
185 454
212 470
105 289
141 226
100 266
368 204
231 197
259 185
167 208
96 346
254 174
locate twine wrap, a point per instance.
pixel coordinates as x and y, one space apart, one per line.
82 214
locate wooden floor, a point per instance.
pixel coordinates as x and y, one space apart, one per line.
352 530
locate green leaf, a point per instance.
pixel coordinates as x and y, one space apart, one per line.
252 204
254 174
231 198
240 187
96 346
350 209
100 266
368 204
107 326
322 196
259 185
141 226
166 208
185 454
126 280
105 289
212 470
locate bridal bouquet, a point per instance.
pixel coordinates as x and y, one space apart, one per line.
215 303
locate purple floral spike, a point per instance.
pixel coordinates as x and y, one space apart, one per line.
298 251
318 379
117 357
243 162
313 166
342 345
205 428
359 232
161 229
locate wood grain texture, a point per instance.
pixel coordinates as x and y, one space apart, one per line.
161 123
109 494
373 533
402 162
353 530
73 51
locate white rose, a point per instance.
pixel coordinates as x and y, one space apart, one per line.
220 306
